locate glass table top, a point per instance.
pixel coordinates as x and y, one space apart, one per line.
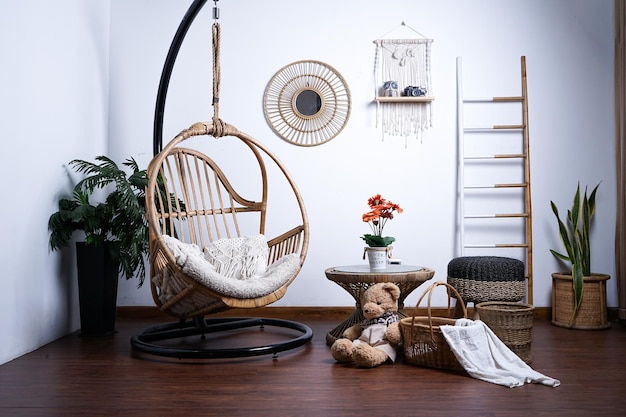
365 269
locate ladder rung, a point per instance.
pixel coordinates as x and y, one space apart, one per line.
496 216
496 245
489 128
498 156
509 98
492 99
521 185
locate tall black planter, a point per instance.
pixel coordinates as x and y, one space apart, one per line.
98 276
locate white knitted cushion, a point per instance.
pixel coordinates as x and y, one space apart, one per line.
193 263
241 257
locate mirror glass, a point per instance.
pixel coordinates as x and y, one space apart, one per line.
308 103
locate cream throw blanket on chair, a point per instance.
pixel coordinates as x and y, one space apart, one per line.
484 356
197 264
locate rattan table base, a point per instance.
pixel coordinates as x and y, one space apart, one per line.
355 279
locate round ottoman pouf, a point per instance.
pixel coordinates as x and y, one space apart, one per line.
487 278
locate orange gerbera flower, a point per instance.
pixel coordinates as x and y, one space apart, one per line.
381 210
375 201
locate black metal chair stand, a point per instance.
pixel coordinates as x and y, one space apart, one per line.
151 339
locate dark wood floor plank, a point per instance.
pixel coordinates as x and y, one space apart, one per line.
77 376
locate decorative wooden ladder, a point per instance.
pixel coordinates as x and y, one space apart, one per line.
495 152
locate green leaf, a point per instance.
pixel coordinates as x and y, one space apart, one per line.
376 241
561 256
576 208
577 282
563 233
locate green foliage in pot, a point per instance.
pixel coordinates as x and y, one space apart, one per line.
120 218
575 238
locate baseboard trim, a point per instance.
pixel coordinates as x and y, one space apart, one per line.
313 313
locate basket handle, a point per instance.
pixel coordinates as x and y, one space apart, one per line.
430 291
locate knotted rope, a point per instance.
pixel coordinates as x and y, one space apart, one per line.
219 127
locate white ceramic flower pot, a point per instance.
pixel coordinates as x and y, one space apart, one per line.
378 257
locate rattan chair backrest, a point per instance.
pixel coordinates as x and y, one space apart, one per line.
199 198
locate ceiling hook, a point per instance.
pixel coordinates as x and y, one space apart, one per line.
216 10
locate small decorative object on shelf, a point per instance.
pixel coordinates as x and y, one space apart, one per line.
390 89
379 247
411 91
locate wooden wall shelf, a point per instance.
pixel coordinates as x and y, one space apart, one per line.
404 99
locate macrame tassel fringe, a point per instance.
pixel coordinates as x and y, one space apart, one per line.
404 119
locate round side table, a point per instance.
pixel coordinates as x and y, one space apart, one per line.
357 278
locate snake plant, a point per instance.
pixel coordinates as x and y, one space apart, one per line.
575 238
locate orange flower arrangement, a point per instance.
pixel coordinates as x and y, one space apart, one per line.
381 210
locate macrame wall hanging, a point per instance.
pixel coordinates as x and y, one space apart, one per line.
403 87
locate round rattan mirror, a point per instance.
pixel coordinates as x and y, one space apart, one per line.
307 103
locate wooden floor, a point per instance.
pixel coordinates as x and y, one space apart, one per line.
77 376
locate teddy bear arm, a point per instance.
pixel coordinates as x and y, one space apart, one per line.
393 334
353 332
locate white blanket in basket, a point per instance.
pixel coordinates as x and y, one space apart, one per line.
484 356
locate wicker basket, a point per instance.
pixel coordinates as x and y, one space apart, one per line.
592 313
424 343
512 323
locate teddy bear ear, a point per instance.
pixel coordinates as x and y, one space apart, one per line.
393 290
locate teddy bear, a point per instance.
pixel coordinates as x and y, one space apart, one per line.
375 340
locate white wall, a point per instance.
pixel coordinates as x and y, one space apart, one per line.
62 100
570 67
54 106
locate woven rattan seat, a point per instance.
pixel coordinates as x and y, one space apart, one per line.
198 199
487 278
211 198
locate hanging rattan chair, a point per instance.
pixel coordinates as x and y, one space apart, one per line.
228 229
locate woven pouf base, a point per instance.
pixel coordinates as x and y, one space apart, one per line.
512 323
487 278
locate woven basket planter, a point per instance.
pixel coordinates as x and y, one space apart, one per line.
512 323
592 313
